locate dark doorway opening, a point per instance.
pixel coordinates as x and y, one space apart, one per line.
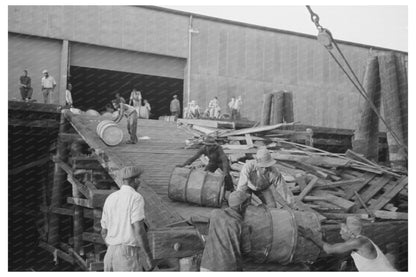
94 88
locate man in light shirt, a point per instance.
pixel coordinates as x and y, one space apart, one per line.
68 96
48 85
123 227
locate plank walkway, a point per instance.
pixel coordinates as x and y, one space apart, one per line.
157 156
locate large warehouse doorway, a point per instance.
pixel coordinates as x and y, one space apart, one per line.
95 88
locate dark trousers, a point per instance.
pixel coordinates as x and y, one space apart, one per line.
132 126
26 92
228 181
266 196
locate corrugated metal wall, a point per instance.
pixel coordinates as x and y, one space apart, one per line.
227 59
124 27
34 54
232 60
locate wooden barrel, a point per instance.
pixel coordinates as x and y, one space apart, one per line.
109 132
75 111
196 186
92 112
274 236
107 115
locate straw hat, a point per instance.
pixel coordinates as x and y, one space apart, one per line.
45 71
209 141
130 172
263 158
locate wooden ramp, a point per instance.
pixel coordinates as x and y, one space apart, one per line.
157 155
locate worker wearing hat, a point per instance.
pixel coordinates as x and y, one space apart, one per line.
123 227
48 85
261 177
228 236
131 114
217 159
366 254
175 106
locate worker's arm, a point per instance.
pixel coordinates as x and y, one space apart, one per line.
224 161
104 233
284 194
120 113
141 237
343 247
194 157
244 179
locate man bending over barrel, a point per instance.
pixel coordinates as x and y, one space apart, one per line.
260 177
228 236
217 159
131 114
365 253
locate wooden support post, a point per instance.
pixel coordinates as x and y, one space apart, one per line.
277 108
63 69
288 114
366 135
58 181
265 113
392 110
401 67
98 248
78 221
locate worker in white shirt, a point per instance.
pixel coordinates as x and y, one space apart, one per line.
131 113
68 96
48 85
123 228
365 253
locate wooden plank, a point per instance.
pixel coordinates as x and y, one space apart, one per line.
349 191
80 186
308 188
375 186
388 195
80 202
69 137
208 123
389 215
340 202
39 162
255 129
55 251
343 216
178 243
85 163
249 141
341 183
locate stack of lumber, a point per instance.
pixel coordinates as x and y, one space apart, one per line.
331 184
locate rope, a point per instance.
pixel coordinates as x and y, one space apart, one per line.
359 87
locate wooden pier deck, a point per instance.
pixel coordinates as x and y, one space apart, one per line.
157 156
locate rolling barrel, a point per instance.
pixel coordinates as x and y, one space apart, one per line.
92 112
274 236
109 132
196 186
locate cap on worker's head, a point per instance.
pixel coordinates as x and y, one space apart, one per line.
209 141
263 158
130 172
237 198
354 224
45 71
175 96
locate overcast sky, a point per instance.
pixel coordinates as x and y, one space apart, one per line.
384 26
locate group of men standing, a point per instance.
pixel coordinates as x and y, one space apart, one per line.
48 85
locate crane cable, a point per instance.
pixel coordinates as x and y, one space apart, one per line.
325 37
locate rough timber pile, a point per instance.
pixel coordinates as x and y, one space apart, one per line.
332 185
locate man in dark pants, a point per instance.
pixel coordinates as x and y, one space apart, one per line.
228 236
25 86
217 159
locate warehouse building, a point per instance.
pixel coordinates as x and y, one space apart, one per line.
103 50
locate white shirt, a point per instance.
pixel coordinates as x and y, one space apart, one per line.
68 97
380 263
48 82
121 209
